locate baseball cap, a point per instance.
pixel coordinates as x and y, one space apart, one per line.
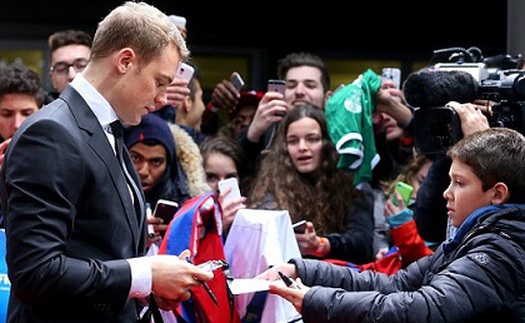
248 98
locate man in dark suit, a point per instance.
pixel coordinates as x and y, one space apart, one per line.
75 224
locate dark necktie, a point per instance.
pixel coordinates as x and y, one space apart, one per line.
126 164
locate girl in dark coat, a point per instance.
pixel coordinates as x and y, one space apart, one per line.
299 174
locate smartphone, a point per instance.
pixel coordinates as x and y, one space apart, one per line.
392 73
185 71
230 182
237 81
406 192
165 209
277 86
299 227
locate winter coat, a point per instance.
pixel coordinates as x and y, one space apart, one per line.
479 275
185 177
190 159
408 247
430 209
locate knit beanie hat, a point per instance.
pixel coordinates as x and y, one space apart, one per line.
152 127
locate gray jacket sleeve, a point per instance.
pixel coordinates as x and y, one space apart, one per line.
481 283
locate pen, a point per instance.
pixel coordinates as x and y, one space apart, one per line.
288 281
206 287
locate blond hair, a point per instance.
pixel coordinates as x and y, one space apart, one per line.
140 26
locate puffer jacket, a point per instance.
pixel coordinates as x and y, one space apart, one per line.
479 275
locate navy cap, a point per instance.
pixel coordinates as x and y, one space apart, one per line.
152 127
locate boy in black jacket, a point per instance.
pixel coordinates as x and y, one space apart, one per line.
477 273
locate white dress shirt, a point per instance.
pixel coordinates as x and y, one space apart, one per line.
140 267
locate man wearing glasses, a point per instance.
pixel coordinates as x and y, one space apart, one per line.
70 50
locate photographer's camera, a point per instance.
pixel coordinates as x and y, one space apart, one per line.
437 127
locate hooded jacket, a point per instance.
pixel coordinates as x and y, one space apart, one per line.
478 275
185 177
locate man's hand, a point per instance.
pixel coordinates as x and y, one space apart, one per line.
272 108
225 96
177 91
392 102
172 278
471 116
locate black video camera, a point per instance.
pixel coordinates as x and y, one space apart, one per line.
510 95
437 127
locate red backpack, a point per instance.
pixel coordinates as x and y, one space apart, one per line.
196 227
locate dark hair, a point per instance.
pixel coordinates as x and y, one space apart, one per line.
17 78
495 155
68 37
304 59
226 146
325 197
330 155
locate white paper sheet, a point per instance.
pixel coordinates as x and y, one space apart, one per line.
245 285
250 285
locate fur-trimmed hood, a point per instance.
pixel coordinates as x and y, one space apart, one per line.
190 159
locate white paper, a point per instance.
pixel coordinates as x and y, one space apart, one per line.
251 285
246 285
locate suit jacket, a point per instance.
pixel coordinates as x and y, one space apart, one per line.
70 220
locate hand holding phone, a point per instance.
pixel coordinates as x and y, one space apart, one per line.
406 192
277 86
165 209
185 71
237 81
392 73
299 227
230 182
